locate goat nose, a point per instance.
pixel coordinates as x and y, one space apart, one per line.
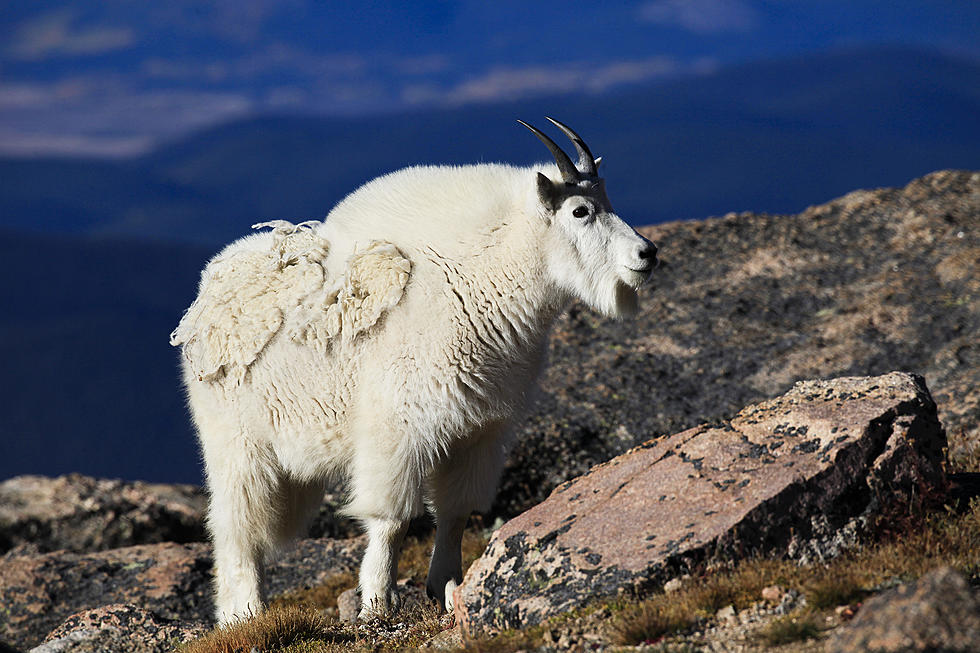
647 251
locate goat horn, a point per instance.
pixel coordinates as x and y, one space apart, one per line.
569 173
586 162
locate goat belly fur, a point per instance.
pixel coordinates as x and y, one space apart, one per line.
276 282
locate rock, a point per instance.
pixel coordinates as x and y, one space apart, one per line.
744 306
727 613
772 593
82 514
837 449
40 591
939 612
448 640
349 604
173 581
121 628
310 562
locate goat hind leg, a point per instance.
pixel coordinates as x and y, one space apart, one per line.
465 481
241 519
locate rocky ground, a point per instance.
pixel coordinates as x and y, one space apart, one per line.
783 477
745 305
742 308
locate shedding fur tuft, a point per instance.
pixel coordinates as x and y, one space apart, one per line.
247 295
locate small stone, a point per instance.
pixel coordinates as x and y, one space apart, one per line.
673 585
349 604
727 613
845 612
450 639
773 593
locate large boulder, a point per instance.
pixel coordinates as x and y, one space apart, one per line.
80 513
781 476
39 591
172 581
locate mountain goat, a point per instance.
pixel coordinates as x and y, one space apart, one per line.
392 346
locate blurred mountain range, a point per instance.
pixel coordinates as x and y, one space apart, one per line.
766 136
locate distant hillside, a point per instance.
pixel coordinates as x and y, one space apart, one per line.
768 136
89 380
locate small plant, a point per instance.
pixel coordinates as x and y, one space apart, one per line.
649 621
320 596
836 587
791 628
274 629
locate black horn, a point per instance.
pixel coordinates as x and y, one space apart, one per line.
586 162
569 173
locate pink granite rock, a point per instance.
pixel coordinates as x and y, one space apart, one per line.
938 612
38 591
81 513
121 628
780 473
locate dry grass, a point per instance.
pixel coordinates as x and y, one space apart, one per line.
320 596
838 586
301 629
791 628
292 626
509 641
274 629
294 623
649 621
942 539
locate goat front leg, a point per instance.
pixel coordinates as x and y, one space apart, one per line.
386 494
379 568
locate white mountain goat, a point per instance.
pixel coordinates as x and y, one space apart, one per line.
392 346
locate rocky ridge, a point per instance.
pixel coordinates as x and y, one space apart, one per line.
172 581
80 513
744 306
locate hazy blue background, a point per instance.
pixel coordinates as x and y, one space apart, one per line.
136 138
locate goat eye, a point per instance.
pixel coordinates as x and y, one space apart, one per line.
580 211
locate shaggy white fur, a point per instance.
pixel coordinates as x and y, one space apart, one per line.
392 346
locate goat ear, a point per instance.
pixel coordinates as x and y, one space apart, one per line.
598 160
547 193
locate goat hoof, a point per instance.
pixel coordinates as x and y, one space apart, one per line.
381 605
